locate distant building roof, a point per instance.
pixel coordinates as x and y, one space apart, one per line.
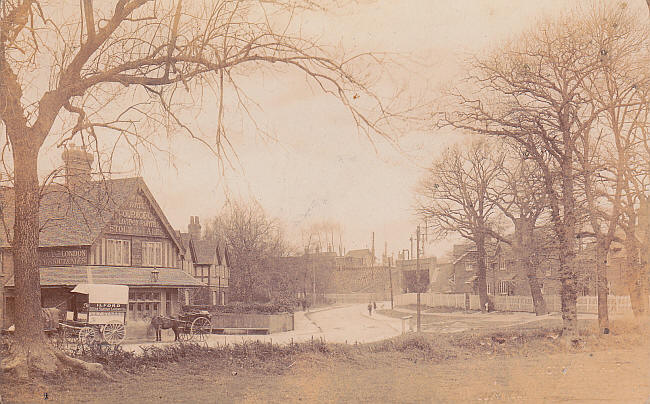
205 251
72 276
359 253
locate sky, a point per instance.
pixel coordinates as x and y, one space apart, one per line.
317 166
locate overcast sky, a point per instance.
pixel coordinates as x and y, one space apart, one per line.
319 167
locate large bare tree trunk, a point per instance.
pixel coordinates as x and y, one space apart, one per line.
566 235
634 277
31 349
524 248
602 290
486 304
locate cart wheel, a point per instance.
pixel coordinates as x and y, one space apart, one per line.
113 333
86 336
201 326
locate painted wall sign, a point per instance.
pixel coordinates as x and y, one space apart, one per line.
107 307
136 219
103 313
61 257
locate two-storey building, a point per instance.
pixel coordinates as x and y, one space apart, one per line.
103 232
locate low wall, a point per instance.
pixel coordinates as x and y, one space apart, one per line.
274 322
585 304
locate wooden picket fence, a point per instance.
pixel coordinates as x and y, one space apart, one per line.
585 304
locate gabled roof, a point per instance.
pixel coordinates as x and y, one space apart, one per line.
209 252
205 251
77 216
73 276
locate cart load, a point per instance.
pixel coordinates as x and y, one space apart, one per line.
102 314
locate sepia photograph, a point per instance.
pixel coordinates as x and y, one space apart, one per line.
324 201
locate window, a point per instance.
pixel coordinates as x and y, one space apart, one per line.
469 266
503 288
502 264
490 288
118 252
152 253
549 272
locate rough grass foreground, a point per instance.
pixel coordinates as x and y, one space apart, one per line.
275 359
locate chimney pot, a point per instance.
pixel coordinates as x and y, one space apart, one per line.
78 164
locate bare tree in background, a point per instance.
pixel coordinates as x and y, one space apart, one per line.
607 155
532 92
321 235
124 69
454 197
252 239
519 194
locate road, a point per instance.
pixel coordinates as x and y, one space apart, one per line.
341 324
351 324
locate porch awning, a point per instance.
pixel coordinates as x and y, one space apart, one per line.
102 293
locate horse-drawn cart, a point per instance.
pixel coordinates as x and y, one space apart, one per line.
189 326
195 324
101 318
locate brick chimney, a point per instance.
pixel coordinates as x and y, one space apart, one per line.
78 163
194 228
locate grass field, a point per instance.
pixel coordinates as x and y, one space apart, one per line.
506 366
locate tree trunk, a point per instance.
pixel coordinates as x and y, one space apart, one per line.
536 291
634 277
566 234
30 348
527 263
486 304
602 289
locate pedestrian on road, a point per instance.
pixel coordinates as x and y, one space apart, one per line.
374 305
370 309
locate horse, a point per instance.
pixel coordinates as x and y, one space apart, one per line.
164 323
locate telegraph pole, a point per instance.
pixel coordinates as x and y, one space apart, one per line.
411 250
417 274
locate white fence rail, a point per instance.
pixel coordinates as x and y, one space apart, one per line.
585 304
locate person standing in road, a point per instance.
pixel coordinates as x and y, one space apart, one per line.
370 309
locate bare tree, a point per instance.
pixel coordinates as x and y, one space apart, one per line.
519 195
121 70
612 163
532 92
252 239
454 197
321 235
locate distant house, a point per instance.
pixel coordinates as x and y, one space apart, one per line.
206 261
503 277
359 258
